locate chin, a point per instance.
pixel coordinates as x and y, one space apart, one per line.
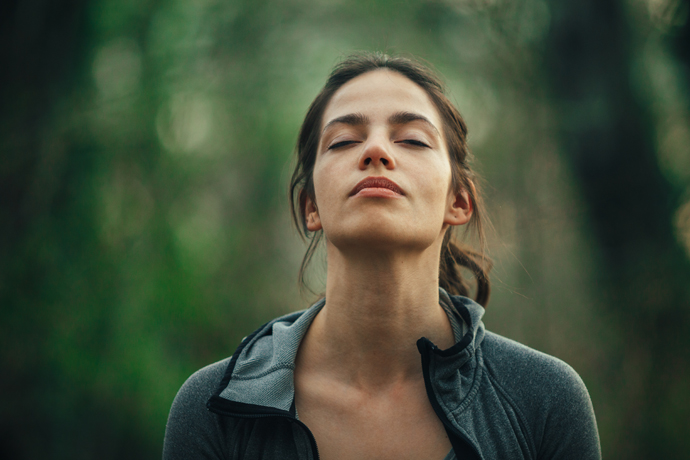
381 236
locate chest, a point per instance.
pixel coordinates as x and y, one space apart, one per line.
347 424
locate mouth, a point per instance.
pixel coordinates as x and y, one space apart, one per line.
379 182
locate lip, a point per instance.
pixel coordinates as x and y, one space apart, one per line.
378 182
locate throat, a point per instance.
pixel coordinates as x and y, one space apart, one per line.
396 424
373 347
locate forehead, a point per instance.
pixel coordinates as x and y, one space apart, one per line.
378 94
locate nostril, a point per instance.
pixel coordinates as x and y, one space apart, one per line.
384 161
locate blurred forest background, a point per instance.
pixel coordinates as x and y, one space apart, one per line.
146 147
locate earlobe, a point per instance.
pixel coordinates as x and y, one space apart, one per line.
312 216
460 208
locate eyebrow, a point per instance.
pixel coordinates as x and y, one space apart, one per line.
401 118
398 118
352 119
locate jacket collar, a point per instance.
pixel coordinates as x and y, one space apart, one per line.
260 375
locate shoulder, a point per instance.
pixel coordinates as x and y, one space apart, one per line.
201 384
192 431
548 394
513 364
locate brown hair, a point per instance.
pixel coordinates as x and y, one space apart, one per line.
453 256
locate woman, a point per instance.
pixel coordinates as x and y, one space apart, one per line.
383 174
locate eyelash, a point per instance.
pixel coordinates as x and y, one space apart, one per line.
413 142
337 145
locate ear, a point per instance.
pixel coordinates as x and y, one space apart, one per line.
459 208
311 214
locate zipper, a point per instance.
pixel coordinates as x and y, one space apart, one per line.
425 348
314 447
267 414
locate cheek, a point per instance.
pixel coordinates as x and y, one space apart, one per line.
435 183
323 187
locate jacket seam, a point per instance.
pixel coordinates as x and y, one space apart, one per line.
518 411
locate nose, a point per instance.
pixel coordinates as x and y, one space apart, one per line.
376 152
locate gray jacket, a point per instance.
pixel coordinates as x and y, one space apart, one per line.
497 399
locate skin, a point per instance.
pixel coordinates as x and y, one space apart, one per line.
358 373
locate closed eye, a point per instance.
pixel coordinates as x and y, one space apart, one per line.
414 142
338 145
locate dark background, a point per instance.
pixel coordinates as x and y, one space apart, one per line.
144 226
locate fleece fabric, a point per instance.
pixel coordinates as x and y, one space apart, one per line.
497 399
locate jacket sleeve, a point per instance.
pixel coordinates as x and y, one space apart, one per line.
192 432
570 428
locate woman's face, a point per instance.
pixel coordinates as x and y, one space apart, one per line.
382 177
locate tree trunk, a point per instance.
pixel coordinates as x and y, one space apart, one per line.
644 275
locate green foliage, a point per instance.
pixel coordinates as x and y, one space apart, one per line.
144 209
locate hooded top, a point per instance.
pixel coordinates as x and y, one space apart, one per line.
497 399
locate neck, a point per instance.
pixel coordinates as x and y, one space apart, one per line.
377 307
